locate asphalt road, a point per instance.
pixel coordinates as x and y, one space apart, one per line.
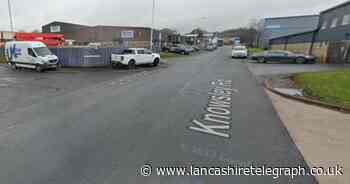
103 134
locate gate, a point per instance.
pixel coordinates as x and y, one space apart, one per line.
338 52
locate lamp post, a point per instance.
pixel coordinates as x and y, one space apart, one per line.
152 27
10 15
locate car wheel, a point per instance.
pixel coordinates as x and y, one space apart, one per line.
156 62
262 60
39 68
132 64
300 60
58 66
13 66
114 66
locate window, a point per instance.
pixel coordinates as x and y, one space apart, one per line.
346 20
324 25
141 52
31 52
55 29
148 52
42 51
334 23
277 53
128 51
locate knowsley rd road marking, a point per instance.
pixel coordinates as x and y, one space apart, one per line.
217 119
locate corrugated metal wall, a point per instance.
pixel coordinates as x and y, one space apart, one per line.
85 57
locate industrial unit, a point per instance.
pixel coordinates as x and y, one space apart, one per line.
330 41
282 26
112 35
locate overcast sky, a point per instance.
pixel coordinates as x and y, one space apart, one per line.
180 14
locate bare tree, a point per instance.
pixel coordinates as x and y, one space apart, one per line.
199 31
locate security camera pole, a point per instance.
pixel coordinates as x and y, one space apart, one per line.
152 27
10 15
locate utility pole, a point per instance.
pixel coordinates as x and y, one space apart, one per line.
10 15
152 27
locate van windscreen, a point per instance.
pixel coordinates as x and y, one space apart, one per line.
42 51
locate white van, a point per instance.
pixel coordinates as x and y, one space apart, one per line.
30 54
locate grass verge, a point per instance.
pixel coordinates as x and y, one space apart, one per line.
255 50
331 87
2 60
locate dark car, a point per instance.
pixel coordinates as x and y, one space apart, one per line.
181 49
166 48
283 56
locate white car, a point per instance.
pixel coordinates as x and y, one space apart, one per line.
239 52
30 54
135 56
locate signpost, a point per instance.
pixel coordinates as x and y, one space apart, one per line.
10 15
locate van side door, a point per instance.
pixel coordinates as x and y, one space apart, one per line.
31 57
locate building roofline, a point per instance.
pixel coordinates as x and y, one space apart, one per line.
132 27
98 26
288 17
296 34
335 7
59 22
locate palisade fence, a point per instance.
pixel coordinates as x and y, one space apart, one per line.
339 52
2 52
84 56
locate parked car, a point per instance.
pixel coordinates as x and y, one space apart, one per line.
181 49
135 56
211 47
239 52
220 43
30 54
166 48
196 48
190 48
283 56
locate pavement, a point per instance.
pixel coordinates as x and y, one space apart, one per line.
207 110
321 134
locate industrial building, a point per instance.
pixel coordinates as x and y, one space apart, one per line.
282 26
4 37
330 41
111 35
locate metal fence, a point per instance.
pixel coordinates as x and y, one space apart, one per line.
2 52
82 56
85 57
339 52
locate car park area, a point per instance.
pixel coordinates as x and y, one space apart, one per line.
25 87
163 91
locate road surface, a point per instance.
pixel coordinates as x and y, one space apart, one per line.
205 110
